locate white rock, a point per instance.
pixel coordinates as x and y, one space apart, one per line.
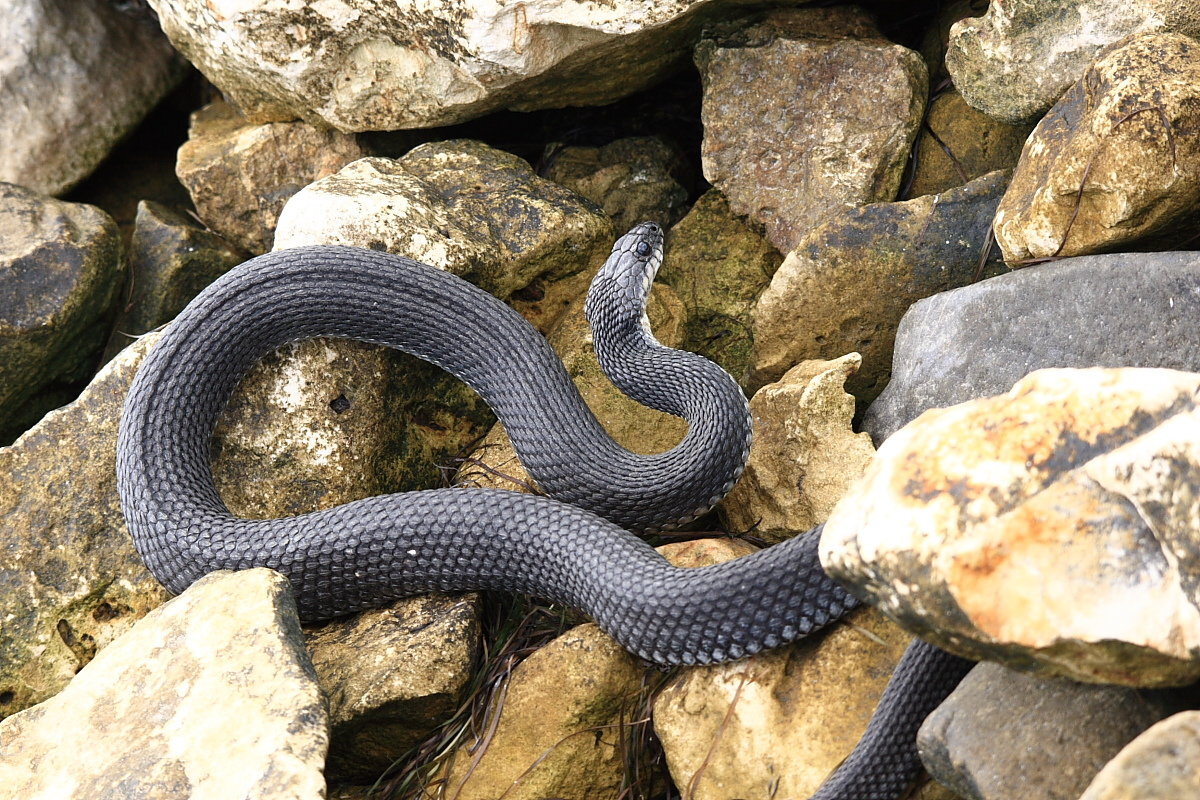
1050 528
388 64
210 697
75 77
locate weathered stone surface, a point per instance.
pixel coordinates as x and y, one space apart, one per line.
310 427
958 144
804 454
170 261
1048 528
392 675
847 285
718 266
556 735
633 180
75 78
371 65
1016 60
778 723
1003 734
211 695
458 205
840 134
60 272
1115 160
494 463
71 579
1161 764
937 34
241 174
1128 310
324 422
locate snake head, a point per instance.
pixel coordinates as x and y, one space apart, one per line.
619 290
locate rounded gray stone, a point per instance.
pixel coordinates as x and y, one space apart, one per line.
1114 310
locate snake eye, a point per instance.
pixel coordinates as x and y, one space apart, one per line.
642 249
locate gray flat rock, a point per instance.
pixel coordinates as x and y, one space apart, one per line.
1116 310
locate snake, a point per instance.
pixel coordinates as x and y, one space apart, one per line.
575 544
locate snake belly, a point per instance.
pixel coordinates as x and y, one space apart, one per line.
571 546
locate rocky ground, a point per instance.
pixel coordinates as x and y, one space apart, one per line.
962 235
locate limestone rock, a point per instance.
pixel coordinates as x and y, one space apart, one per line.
494 463
71 579
1004 734
240 174
804 454
457 205
310 427
777 724
847 285
1129 310
211 695
170 261
75 78
839 136
1048 528
460 206
958 144
1114 161
392 675
937 34
633 180
1161 764
557 731
374 65
60 273
1016 60
718 266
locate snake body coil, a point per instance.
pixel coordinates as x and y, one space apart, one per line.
573 548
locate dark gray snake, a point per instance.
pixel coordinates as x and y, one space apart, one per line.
573 549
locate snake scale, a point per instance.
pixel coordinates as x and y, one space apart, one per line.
572 546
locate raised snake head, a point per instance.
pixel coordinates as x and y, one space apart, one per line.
622 285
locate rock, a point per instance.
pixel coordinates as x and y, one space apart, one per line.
847 285
633 180
457 205
556 735
392 675
839 136
75 78
1015 61
494 463
804 454
460 206
1003 734
170 261
958 144
71 580
150 716
1113 162
1048 528
60 273
372 65
240 174
1129 310
323 422
1161 764
310 427
718 266
778 723
937 34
